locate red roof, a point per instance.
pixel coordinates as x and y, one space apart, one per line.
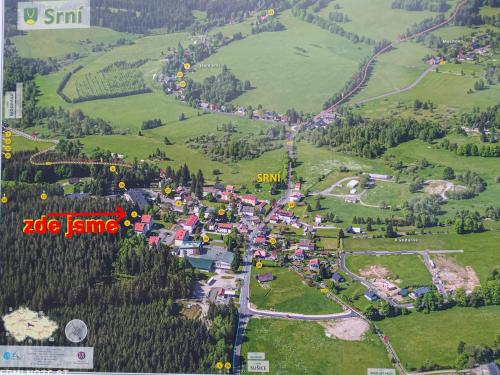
191 220
314 261
225 225
154 240
249 197
299 252
139 227
146 219
260 239
180 234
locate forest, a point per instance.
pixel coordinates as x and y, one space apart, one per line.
371 138
418 5
123 290
220 89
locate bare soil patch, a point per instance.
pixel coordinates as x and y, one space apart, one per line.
351 329
455 276
441 187
377 271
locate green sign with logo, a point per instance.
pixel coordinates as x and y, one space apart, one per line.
69 14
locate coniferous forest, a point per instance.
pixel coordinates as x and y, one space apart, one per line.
132 315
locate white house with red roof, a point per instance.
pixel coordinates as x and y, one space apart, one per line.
249 199
298 186
190 223
181 235
224 228
140 228
306 245
147 220
314 264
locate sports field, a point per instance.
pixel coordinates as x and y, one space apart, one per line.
299 347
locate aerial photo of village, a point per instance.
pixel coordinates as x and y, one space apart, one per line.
288 187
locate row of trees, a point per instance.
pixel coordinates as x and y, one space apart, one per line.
419 5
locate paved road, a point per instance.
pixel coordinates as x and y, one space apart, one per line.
399 91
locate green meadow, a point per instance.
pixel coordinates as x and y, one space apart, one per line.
419 337
289 293
298 347
299 67
43 44
375 18
408 269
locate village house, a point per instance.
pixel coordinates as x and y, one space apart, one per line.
260 253
306 245
296 197
314 264
371 296
249 199
353 230
154 241
246 211
181 235
189 248
299 255
259 240
265 277
136 196
337 277
190 223
317 220
224 228
285 216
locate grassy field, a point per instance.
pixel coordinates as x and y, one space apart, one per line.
298 347
288 293
23 144
418 337
447 89
284 76
480 250
408 269
376 18
488 168
395 70
43 44
314 162
390 193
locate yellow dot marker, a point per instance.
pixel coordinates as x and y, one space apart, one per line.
134 214
206 239
291 204
43 196
182 84
8 148
121 185
272 241
179 75
112 168
324 290
167 190
8 155
127 223
8 134
219 365
4 200
178 203
187 66
8 141
221 212
227 366
270 12
259 265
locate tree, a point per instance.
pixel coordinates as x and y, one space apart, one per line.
166 141
372 313
341 234
390 232
461 297
235 264
182 117
318 204
448 173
